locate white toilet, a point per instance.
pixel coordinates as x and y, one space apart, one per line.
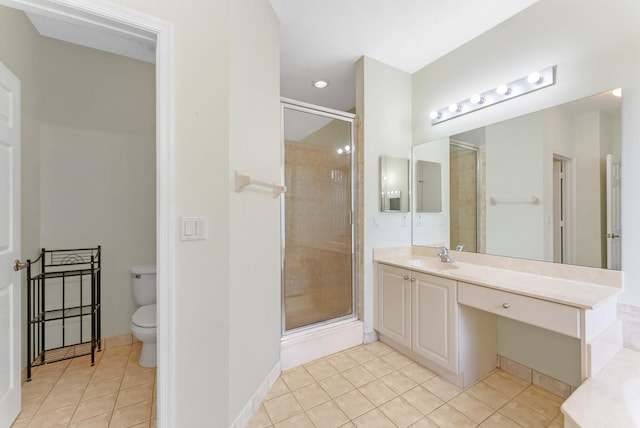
143 321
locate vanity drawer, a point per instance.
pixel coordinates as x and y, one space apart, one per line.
551 316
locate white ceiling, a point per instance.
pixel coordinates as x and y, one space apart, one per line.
325 38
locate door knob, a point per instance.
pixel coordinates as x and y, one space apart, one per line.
413 280
18 265
611 235
506 305
406 278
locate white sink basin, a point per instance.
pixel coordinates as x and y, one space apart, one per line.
432 264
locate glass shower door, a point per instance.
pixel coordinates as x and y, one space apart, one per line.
318 262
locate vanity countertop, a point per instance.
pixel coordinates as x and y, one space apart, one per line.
579 294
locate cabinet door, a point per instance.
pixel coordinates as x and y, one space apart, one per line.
394 304
435 332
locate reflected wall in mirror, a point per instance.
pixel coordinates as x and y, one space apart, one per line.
394 184
544 186
428 187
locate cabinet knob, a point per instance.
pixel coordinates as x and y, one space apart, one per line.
406 277
413 280
506 305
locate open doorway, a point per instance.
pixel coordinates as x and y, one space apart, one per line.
118 20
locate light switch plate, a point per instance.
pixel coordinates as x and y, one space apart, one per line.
193 228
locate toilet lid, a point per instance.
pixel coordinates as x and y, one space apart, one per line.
145 316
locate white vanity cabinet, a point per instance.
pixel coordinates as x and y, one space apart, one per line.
446 316
420 313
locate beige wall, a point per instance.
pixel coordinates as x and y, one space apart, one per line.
226 288
98 164
254 216
383 102
19 51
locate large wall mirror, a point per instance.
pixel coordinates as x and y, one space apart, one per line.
544 186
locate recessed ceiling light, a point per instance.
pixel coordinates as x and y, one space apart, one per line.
320 83
617 92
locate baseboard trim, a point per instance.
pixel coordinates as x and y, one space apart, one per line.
370 336
253 405
310 345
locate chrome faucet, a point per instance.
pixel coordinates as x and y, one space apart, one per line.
444 255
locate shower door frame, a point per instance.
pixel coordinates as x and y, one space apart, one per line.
287 103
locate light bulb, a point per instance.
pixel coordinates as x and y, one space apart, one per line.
534 78
503 90
340 151
477 99
617 92
347 148
454 108
434 115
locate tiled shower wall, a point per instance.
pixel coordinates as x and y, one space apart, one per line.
317 270
464 200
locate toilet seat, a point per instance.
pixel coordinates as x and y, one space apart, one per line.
145 316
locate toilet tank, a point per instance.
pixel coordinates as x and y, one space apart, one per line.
143 284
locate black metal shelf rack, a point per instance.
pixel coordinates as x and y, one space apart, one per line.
64 275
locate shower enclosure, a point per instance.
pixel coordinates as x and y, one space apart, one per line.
318 232
465 215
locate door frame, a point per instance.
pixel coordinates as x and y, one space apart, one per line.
568 200
100 15
287 103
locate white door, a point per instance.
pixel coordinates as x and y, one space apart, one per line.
10 380
613 213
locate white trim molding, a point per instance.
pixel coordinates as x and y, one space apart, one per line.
109 17
370 336
252 407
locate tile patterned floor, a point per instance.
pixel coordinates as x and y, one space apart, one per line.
116 392
373 386
369 386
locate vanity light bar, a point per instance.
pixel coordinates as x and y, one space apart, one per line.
532 82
